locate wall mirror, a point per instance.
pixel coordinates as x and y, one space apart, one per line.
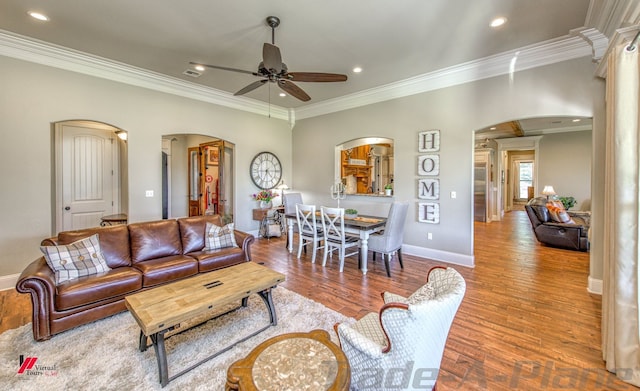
365 165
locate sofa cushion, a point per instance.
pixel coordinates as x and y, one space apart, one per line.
542 213
103 286
209 260
166 269
219 237
192 231
154 239
74 260
114 242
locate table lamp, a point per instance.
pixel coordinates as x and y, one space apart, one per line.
548 191
283 186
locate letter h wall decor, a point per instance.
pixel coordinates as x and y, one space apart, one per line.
429 170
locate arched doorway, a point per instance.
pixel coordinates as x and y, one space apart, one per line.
198 177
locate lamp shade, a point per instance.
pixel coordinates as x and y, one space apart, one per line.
548 190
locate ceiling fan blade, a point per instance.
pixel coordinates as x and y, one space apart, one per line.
316 77
293 90
224 68
271 57
251 87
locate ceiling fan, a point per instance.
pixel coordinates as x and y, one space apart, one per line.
272 69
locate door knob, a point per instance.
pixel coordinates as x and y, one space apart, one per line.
67 208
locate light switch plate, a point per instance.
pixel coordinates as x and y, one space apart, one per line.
149 193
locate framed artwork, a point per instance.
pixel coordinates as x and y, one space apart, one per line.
214 156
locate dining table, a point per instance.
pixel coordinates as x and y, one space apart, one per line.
361 225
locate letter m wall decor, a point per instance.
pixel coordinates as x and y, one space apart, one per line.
429 166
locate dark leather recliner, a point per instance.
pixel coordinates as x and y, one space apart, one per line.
562 235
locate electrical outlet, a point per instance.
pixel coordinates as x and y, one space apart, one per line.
453 194
148 193
430 236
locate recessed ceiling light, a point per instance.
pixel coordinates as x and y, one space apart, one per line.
282 94
357 70
38 15
497 22
492 128
199 68
576 120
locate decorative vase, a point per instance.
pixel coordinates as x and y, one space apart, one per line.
265 205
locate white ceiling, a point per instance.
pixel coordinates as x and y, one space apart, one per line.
390 40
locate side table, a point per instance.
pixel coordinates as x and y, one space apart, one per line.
294 361
269 220
120 218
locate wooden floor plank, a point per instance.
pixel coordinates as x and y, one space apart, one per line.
527 321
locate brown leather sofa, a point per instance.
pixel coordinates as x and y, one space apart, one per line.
554 234
141 256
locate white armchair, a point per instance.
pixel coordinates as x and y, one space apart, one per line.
401 346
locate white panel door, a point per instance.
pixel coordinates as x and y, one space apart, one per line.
87 175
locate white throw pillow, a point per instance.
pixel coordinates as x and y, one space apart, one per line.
78 259
216 237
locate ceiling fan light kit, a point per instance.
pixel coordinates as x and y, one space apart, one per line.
272 69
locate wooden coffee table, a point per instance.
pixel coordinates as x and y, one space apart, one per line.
295 361
162 309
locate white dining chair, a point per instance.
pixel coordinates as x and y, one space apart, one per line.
308 230
335 238
289 201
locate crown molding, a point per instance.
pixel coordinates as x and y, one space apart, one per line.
544 53
29 49
621 36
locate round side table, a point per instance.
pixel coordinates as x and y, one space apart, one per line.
294 361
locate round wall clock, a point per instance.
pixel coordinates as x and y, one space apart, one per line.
265 170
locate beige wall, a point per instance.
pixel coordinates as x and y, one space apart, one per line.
565 164
557 90
34 96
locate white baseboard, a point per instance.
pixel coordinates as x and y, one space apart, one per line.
595 286
439 255
8 282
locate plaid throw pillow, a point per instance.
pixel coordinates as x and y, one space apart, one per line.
78 259
219 237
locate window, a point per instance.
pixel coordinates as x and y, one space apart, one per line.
525 179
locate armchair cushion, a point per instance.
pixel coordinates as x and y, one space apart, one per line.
75 260
425 292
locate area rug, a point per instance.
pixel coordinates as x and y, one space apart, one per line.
104 355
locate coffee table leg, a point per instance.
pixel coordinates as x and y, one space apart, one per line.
245 301
143 342
161 355
268 301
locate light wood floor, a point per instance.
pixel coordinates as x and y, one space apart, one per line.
527 321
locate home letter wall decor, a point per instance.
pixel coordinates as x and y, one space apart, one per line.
429 166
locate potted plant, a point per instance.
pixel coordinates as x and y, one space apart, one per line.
265 197
350 213
388 189
568 202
